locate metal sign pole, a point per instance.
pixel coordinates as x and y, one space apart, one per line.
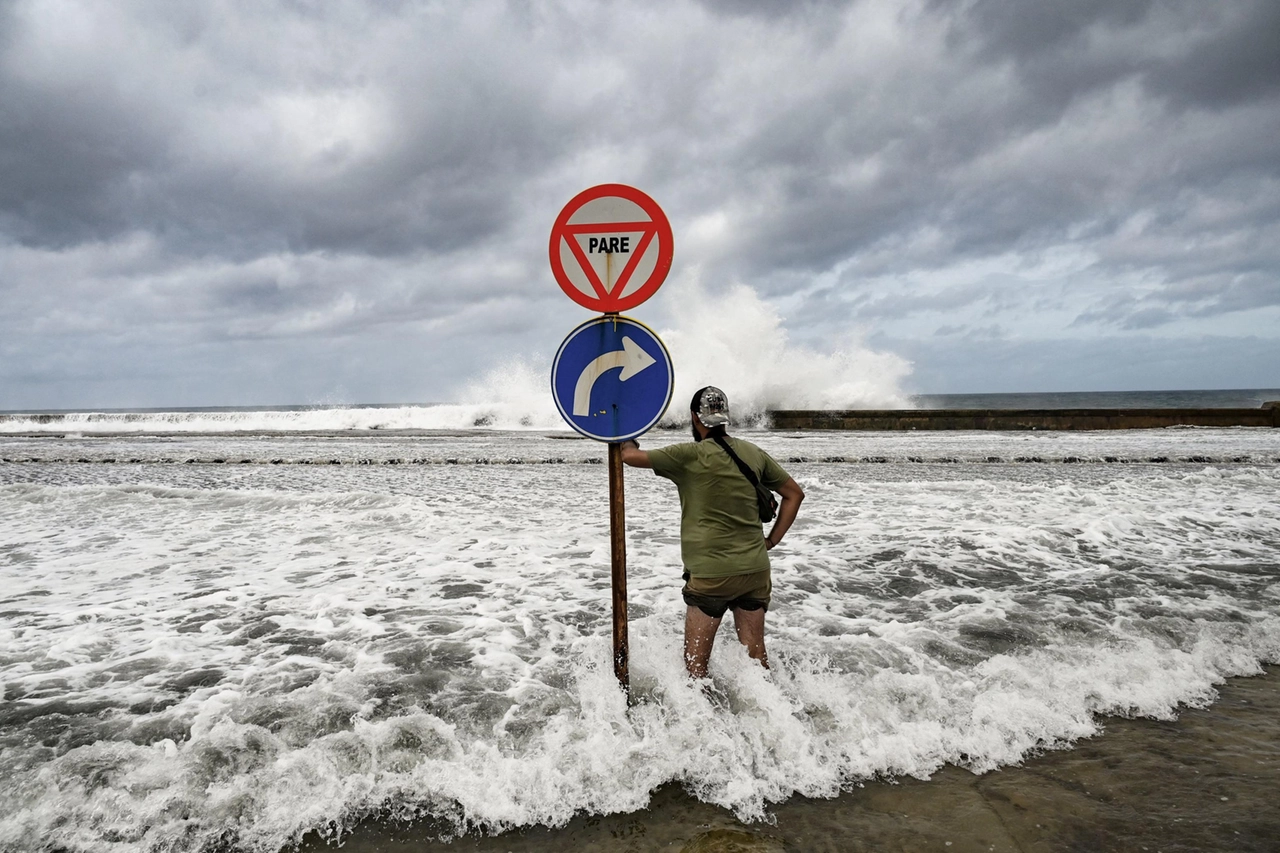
618 553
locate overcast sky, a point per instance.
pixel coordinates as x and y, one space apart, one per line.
243 203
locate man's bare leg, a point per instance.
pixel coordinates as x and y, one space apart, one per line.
699 635
750 627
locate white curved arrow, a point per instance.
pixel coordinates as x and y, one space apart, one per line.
631 358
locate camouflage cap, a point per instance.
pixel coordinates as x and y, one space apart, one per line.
713 407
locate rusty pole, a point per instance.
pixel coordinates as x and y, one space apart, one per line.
618 554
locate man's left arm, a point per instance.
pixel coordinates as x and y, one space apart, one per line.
792 495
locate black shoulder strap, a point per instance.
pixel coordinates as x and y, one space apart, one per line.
766 503
742 466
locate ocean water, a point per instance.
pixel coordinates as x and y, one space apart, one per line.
221 638
524 404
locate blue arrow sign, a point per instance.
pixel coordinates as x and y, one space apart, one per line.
612 378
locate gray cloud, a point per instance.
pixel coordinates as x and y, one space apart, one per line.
291 130
241 181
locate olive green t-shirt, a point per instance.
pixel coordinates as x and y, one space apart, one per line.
720 532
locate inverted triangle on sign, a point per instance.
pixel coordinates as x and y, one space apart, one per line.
575 234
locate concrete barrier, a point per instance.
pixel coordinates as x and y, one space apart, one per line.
1022 419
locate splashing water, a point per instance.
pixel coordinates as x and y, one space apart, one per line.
737 342
202 657
515 393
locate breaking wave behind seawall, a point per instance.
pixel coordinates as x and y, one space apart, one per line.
736 341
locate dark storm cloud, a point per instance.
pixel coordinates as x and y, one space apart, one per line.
1014 143
1023 128
1211 55
768 9
65 152
173 125
1238 63
243 174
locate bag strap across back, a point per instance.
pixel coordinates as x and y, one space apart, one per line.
767 503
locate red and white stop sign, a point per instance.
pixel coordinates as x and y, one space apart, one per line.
611 248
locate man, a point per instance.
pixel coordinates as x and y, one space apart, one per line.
725 553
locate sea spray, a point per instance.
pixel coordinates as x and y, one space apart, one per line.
737 341
515 393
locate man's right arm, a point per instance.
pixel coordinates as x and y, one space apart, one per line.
635 457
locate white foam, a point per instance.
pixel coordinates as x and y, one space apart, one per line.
517 392
737 342
509 413
202 652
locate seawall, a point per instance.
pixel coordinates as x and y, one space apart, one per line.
1022 419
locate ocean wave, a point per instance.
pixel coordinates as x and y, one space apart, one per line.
232 774
502 416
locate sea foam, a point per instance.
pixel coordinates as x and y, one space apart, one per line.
203 654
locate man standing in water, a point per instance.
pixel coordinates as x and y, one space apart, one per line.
725 553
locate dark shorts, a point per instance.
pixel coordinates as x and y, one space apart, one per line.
713 596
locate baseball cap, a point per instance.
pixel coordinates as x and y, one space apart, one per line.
713 407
